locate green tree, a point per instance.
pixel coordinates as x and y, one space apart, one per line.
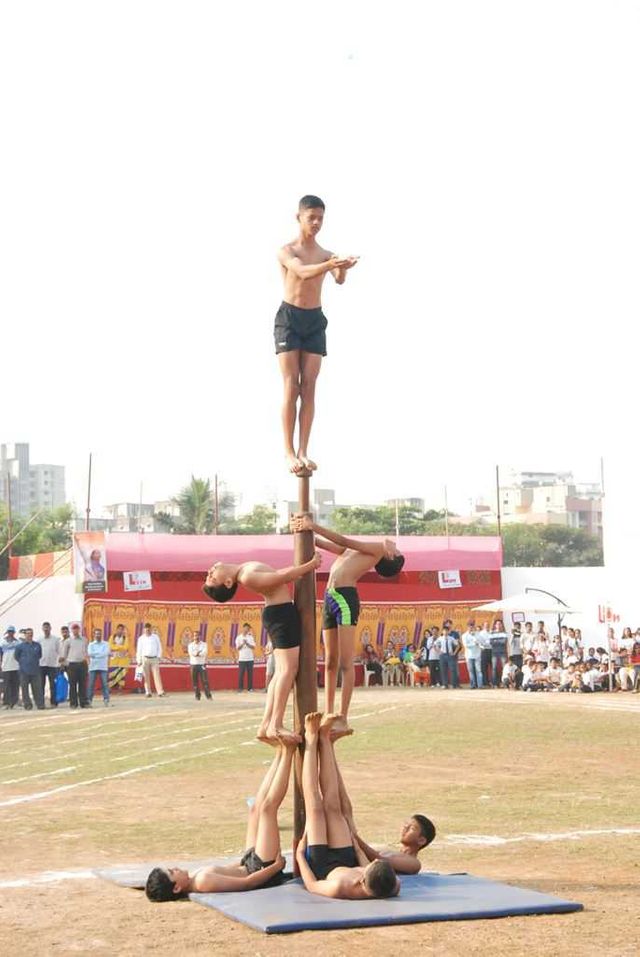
261 521
197 509
51 531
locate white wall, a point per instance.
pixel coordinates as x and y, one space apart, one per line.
581 588
621 532
39 599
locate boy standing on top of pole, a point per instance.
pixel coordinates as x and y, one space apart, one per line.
300 325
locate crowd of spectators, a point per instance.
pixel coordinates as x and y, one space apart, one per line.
523 659
55 667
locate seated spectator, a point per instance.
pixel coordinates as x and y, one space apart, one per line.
527 672
589 654
568 673
626 674
372 663
554 674
538 680
511 675
602 656
391 666
409 664
590 676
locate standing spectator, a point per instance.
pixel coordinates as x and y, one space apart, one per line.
73 657
635 661
499 639
198 661
484 637
148 654
49 661
542 629
541 648
245 645
515 647
528 638
372 663
578 640
98 651
473 655
270 660
10 668
432 641
28 654
449 648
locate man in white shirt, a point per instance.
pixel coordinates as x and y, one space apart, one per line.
148 654
49 661
245 646
198 661
10 668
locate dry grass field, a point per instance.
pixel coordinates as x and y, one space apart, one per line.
537 790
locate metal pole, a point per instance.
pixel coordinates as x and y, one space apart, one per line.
9 516
87 519
306 688
498 511
397 520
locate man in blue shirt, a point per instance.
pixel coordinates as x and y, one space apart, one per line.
28 654
98 651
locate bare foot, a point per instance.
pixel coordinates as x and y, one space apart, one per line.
286 737
264 738
307 463
312 724
335 725
294 463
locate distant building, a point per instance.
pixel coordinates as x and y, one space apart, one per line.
415 504
131 517
323 505
30 487
546 498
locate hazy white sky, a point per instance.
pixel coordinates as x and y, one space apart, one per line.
481 157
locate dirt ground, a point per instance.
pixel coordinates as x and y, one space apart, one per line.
504 777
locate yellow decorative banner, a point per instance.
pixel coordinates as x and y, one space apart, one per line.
218 625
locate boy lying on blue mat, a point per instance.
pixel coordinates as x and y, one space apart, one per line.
262 862
331 862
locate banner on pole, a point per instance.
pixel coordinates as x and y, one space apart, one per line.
90 562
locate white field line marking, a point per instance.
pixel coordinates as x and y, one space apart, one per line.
486 840
49 877
43 774
115 731
39 795
492 840
53 716
181 744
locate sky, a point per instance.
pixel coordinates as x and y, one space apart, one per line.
481 158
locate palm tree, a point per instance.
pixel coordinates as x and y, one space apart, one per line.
196 508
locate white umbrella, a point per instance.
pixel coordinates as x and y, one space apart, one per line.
526 601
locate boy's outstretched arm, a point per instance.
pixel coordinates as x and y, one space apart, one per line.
302 270
340 273
328 546
303 523
259 581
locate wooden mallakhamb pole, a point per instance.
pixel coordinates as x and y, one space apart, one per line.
306 688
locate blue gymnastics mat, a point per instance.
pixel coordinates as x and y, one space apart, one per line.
423 897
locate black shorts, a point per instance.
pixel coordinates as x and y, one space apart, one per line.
297 328
282 624
322 859
341 607
253 863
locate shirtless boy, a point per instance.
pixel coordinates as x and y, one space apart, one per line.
330 863
281 620
261 864
342 604
300 325
416 834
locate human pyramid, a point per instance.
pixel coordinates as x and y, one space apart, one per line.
332 857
